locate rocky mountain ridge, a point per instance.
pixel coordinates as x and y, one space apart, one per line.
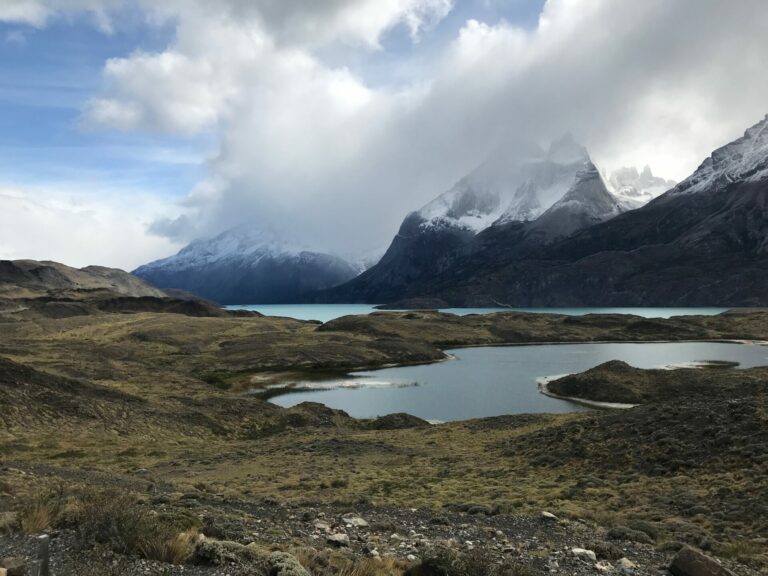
244 266
702 243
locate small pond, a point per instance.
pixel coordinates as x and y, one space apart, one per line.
492 381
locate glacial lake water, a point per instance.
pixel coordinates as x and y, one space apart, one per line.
326 312
492 381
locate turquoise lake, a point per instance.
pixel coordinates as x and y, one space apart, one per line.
326 312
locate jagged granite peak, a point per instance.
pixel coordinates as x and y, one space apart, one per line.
637 188
743 159
566 150
245 265
505 196
516 184
586 203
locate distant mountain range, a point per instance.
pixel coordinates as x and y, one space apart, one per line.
517 201
529 227
559 189
242 266
704 242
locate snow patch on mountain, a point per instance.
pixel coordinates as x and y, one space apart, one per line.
513 185
244 244
744 159
586 203
247 247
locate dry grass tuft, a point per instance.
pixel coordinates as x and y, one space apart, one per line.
42 511
371 567
176 549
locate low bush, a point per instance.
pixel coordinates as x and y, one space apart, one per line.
476 562
117 520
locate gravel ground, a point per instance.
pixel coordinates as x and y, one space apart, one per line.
545 544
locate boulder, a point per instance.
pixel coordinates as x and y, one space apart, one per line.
338 540
627 567
584 554
691 562
14 566
354 520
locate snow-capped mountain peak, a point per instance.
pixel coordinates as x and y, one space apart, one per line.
512 185
241 242
248 265
587 202
566 150
637 188
743 159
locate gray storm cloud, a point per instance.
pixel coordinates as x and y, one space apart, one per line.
314 151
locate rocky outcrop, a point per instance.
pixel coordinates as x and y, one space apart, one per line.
691 562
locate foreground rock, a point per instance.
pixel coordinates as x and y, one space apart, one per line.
690 562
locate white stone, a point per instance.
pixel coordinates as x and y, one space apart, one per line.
584 554
354 520
603 567
338 540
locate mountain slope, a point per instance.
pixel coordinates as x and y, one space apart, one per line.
505 209
532 194
705 242
586 203
243 266
30 279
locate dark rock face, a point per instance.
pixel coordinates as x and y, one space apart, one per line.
587 203
690 562
415 256
707 249
703 243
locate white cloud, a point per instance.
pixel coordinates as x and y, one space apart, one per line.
315 149
39 13
79 228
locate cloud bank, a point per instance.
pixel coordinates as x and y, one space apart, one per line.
311 147
79 228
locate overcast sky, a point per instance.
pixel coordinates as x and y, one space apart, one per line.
130 127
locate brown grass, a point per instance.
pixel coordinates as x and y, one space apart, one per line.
176 549
42 511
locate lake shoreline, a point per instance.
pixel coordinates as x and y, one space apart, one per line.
543 387
393 391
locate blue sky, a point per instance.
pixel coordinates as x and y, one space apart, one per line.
50 73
